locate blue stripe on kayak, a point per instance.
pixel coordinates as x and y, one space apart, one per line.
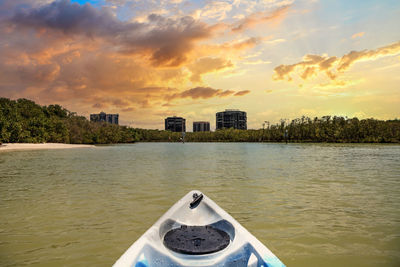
142 263
273 261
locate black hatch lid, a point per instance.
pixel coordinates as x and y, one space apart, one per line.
196 240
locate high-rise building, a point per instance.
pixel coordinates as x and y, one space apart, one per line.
103 117
201 126
175 124
231 118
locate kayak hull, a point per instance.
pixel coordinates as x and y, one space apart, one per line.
243 248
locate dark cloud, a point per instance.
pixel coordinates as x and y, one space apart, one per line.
205 92
99 105
9 7
241 93
120 103
168 41
72 18
129 109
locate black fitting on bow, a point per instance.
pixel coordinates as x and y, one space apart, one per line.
196 200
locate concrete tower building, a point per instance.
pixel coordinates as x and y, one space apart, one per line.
201 126
231 118
175 124
103 117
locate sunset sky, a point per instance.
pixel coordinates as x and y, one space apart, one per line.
148 59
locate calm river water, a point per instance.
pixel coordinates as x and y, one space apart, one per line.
310 204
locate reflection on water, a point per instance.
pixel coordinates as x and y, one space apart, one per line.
311 204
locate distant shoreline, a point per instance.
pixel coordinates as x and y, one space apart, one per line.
38 146
263 142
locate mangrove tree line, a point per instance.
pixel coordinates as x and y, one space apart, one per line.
23 120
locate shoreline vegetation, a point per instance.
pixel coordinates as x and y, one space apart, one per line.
24 121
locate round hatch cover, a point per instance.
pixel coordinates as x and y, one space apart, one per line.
196 240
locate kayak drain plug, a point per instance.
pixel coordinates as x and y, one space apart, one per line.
196 200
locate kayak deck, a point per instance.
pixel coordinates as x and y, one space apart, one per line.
197 232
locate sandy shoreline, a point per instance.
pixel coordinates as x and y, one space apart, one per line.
29 146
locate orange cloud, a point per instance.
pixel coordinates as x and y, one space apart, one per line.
307 67
261 17
230 49
331 66
347 60
207 65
